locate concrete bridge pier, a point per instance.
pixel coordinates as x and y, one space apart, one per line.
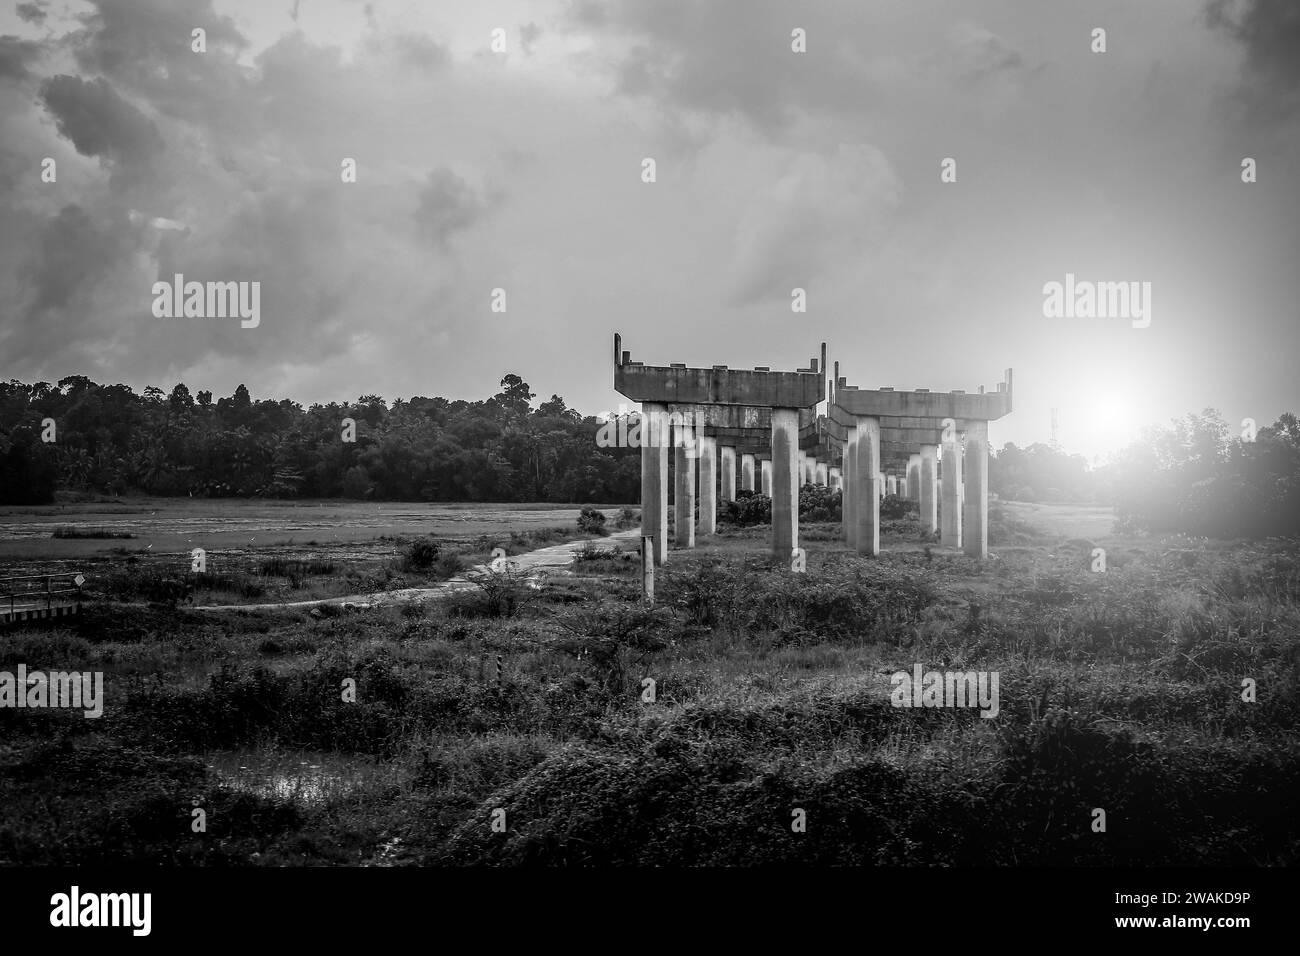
785 482
747 473
914 477
867 479
851 491
823 474
975 511
654 477
765 474
836 479
929 477
708 484
950 516
684 491
727 463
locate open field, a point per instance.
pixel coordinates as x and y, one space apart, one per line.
1119 690
175 525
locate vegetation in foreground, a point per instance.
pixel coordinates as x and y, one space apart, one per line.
1119 690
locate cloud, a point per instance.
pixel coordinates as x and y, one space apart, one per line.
100 123
824 213
1269 30
15 55
447 204
32 12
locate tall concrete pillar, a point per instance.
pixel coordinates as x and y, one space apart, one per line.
785 482
727 462
836 479
913 477
850 503
929 489
654 477
823 474
765 474
684 491
950 514
708 484
975 511
867 479
747 473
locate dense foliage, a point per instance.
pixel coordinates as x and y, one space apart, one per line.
112 441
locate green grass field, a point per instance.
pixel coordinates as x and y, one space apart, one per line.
1119 691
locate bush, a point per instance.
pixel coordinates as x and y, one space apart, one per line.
896 506
420 554
592 521
747 509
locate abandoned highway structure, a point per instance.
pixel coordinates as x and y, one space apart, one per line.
760 430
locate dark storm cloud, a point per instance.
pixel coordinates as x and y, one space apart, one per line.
72 252
1269 30
447 205
735 56
99 122
15 55
32 12
144 47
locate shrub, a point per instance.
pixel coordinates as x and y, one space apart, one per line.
591 521
420 554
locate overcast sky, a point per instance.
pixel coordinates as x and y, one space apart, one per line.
775 169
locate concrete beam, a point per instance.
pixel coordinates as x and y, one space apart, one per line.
719 385
921 403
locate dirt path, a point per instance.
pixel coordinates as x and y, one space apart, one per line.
534 564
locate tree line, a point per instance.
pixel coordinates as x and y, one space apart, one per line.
82 437
107 439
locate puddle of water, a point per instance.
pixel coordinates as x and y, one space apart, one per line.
305 777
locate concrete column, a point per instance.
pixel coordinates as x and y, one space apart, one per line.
708 484
727 461
823 474
654 477
684 455
785 482
765 474
867 479
850 503
929 476
950 515
836 478
747 473
975 512
913 477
